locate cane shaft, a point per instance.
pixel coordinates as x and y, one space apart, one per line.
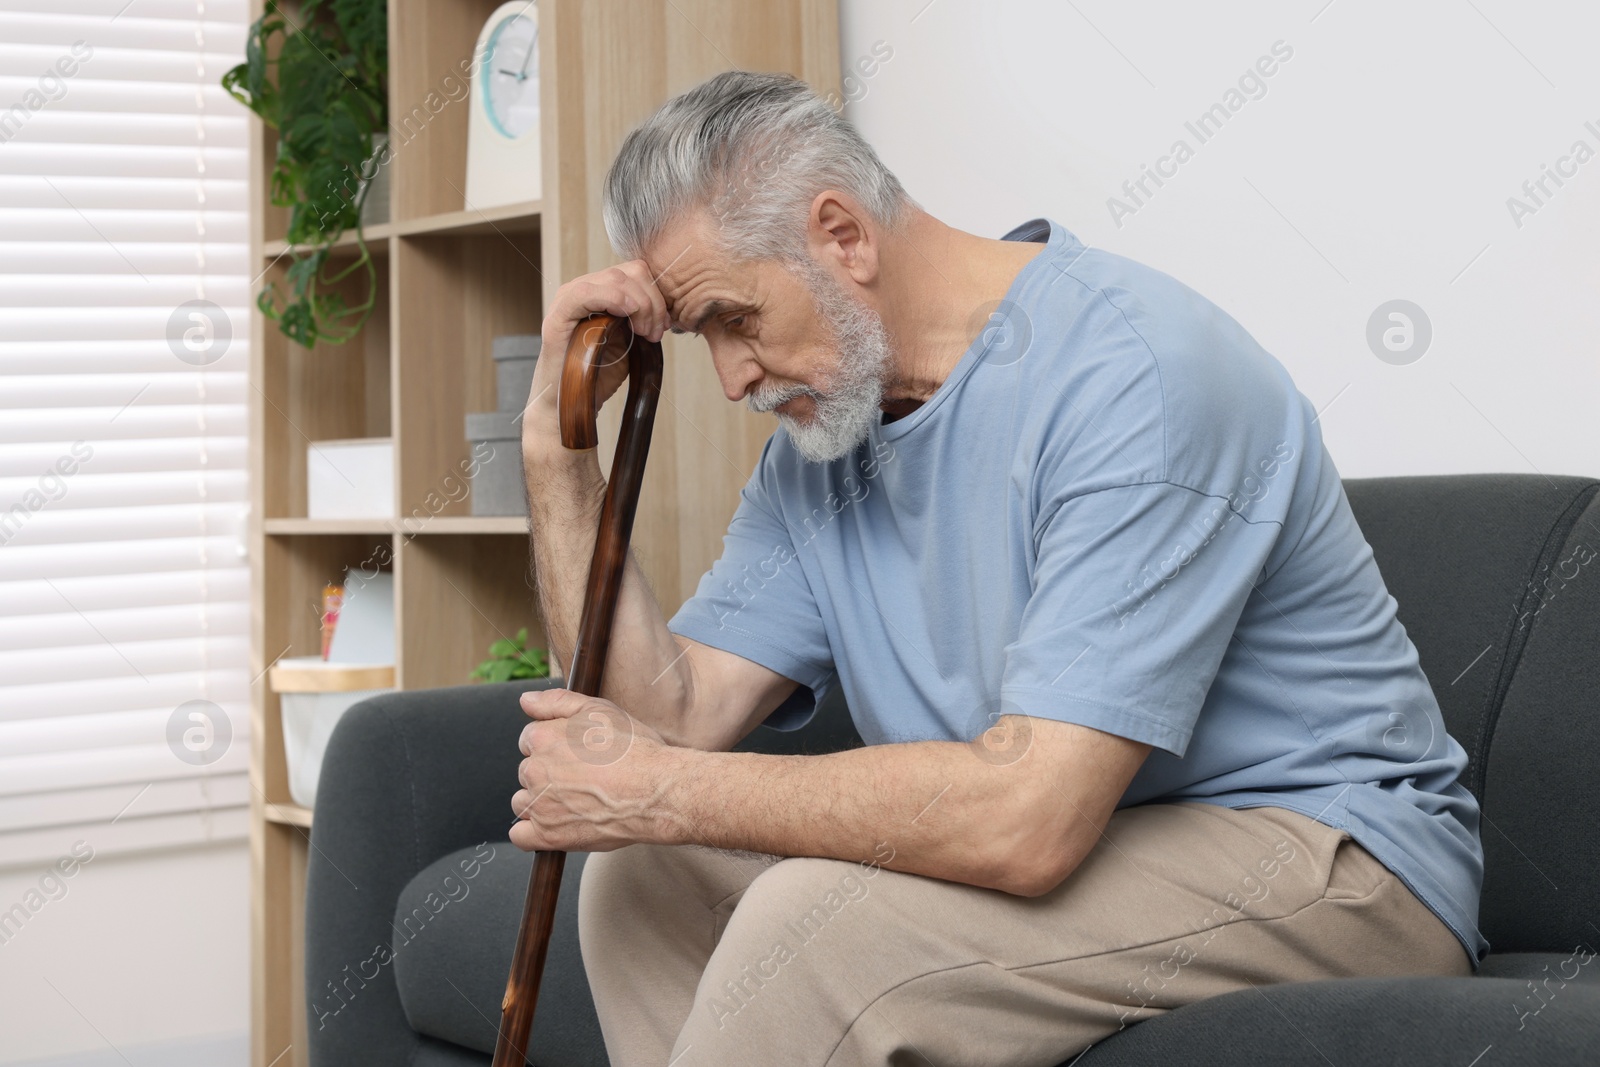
595 344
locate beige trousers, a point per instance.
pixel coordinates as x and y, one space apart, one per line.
701 957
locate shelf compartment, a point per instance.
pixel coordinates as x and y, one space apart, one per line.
454 294
427 54
330 392
291 623
456 595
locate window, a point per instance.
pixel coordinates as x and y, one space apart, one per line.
124 333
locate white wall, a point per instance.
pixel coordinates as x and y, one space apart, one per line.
143 949
1377 166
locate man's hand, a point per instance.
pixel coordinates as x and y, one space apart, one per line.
594 776
626 290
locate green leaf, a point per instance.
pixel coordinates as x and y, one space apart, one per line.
320 81
532 665
511 658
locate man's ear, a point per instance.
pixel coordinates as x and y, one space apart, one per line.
838 232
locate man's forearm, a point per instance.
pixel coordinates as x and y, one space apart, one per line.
644 671
931 807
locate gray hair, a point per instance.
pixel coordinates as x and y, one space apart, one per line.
754 149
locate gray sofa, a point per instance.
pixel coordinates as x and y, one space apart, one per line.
413 893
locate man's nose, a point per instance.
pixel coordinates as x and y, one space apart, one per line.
738 373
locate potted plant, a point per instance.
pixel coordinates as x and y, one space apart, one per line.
510 659
318 77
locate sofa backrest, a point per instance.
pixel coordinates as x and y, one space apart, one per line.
1497 581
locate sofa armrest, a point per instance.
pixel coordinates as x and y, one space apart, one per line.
410 777
407 778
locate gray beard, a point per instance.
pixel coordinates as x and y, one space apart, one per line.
844 413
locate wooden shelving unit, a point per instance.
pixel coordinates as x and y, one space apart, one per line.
451 277
506 218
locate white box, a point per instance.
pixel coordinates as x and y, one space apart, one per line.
351 479
313 695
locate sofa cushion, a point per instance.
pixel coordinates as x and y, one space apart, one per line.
454 930
1421 1022
431 1053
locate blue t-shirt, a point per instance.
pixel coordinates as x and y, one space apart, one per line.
1116 511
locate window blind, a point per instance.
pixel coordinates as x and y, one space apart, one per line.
124 587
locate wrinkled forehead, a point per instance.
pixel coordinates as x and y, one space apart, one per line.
687 262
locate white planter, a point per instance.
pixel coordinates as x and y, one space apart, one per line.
314 694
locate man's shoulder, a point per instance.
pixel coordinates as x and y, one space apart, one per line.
1132 319
1139 368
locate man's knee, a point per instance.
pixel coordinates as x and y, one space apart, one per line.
800 907
805 895
801 925
611 886
659 884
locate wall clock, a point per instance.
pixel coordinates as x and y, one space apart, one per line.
503 132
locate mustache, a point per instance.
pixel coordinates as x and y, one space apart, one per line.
764 400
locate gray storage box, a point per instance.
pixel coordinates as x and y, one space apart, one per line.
497 486
515 356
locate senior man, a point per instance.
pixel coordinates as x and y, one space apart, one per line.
1142 726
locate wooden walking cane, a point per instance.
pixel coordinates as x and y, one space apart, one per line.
598 342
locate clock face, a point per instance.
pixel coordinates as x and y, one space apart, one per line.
511 82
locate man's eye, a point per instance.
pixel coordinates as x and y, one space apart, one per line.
735 322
